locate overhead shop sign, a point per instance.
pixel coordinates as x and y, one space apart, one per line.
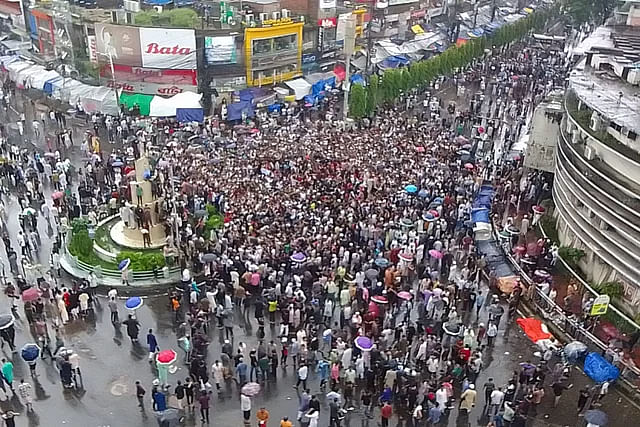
163 48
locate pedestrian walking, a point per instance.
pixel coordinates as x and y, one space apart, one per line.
152 342
25 391
245 407
140 392
204 401
113 309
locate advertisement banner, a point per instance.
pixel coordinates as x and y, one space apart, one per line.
220 50
126 73
168 48
153 88
93 52
147 47
327 4
397 2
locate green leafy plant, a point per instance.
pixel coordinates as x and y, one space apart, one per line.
81 244
141 261
613 289
571 255
357 101
78 225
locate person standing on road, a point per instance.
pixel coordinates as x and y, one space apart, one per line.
25 391
385 414
7 373
152 342
303 372
583 397
140 392
113 308
468 398
559 388
204 400
133 328
245 407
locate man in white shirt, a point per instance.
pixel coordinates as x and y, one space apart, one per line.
497 397
303 372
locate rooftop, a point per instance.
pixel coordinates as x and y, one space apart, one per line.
602 90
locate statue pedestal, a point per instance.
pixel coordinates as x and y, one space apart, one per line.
132 238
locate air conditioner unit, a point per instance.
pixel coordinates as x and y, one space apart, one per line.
285 13
158 9
249 18
264 16
302 18
589 153
275 15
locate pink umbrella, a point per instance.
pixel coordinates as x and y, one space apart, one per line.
380 299
520 250
537 209
405 295
30 294
166 357
57 195
406 256
435 254
434 213
468 166
480 129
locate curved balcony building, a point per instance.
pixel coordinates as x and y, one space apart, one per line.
597 172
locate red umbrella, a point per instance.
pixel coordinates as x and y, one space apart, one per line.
166 357
30 294
480 129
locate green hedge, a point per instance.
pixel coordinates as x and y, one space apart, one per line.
392 83
141 261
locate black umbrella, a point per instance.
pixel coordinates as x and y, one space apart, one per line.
6 320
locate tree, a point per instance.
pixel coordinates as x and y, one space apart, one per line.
357 101
584 11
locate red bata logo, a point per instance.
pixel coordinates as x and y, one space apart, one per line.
169 90
155 49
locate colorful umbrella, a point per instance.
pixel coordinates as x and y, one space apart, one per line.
298 257
57 195
520 250
423 194
434 213
435 254
166 357
537 209
124 264
429 217
411 189
6 320
378 299
250 389
406 222
405 295
30 294
30 352
438 200
363 343
29 211
133 303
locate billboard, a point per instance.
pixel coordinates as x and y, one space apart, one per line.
164 48
152 88
150 75
220 50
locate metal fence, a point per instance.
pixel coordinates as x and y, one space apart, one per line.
551 311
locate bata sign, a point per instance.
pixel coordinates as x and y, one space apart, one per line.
153 88
162 48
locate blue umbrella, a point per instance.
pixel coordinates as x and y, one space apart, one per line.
124 264
411 189
133 303
423 194
438 200
117 164
382 262
146 174
30 352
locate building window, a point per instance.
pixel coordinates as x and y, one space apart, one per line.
287 42
615 126
632 135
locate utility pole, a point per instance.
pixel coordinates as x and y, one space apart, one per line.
475 15
349 47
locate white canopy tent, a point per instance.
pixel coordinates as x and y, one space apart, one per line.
102 99
26 75
166 107
38 80
300 87
15 67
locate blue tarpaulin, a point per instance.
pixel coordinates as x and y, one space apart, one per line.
480 215
599 369
48 85
357 79
484 197
319 86
235 110
157 2
185 115
394 61
274 107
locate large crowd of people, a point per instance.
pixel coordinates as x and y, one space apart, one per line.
350 243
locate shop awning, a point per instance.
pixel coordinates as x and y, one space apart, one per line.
300 86
39 80
49 85
129 100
